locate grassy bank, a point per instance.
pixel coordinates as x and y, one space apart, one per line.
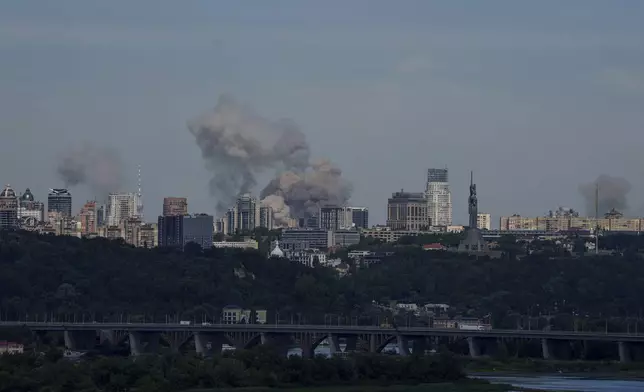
598 369
463 386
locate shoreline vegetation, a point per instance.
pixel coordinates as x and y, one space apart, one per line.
468 385
259 369
579 368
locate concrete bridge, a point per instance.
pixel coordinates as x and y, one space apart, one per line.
209 338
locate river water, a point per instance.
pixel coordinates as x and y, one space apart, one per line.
566 383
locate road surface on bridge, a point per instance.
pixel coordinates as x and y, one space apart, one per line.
325 329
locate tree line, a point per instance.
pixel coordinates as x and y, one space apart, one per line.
261 366
98 279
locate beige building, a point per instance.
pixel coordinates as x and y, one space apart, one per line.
87 218
149 236
407 211
565 223
484 221
173 206
248 244
237 315
386 234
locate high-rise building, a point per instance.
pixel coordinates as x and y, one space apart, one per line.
60 200
356 217
407 211
198 228
87 218
100 216
8 208
121 206
331 218
175 206
266 217
246 215
148 236
439 198
30 208
246 212
170 231
132 230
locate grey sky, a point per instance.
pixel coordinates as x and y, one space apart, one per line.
536 97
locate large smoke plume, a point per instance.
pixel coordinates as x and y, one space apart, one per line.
613 193
99 168
238 144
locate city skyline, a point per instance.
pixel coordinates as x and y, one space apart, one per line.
536 113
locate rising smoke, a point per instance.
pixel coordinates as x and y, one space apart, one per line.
613 193
100 169
238 144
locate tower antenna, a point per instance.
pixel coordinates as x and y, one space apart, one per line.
139 201
597 218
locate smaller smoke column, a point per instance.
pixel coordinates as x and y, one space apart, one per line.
100 169
613 193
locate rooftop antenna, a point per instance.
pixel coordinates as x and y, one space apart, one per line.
597 218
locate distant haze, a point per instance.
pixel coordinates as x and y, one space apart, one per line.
537 97
612 192
98 168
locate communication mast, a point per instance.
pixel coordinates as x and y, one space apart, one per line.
139 198
597 218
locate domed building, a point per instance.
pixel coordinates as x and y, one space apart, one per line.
30 208
8 208
27 196
277 252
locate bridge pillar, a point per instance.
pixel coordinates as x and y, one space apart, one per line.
547 349
143 343
334 344
624 350
419 346
79 340
208 344
351 343
403 345
474 346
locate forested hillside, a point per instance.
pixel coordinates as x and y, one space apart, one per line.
66 275
44 275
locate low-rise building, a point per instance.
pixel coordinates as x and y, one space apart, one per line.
375 257
299 239
233 314
435 246
407 307
345 238
11 347
308 257
389 235
248 244
358 254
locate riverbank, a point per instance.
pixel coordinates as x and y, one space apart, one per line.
596 369
461 386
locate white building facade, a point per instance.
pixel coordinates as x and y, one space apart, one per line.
121 206
439 198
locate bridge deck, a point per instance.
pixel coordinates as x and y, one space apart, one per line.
327 329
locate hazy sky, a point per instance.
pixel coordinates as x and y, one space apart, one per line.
535 97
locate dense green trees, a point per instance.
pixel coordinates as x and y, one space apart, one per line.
99 279
261 366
